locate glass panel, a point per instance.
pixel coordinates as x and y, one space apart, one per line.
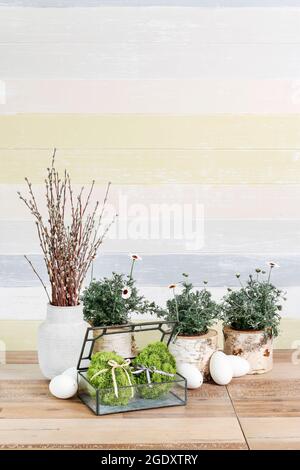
86 392
146 396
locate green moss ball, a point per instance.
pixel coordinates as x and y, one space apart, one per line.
157 356
104 382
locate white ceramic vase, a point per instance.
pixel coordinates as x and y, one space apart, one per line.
60 338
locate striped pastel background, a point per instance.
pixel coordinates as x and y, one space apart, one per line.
176 102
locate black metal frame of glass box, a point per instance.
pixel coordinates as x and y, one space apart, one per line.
91 397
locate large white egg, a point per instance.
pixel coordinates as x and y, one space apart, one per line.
72 372
240 365
63 386
191 373
220 368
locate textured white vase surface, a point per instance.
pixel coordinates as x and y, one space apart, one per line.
60 338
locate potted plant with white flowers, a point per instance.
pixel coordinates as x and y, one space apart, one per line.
110 302
196 312
251 318
69 235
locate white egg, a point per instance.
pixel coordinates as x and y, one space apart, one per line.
72 372
191 373
63 386
240 365
220 368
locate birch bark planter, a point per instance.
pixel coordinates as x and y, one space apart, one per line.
60 339
195 350
120 343
252 345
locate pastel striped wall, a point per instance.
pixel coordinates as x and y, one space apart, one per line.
176 103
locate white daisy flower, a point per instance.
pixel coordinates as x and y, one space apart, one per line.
135 257
126 292
272 264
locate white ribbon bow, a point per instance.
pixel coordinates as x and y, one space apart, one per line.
115 365
149 371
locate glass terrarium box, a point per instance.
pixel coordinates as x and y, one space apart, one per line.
132 396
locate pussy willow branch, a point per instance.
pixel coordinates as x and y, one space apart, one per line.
68 249
37 274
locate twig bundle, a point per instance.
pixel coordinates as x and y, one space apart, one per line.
68 249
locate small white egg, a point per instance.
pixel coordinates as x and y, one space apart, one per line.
63 386
220 368
72 372
191 373
240 365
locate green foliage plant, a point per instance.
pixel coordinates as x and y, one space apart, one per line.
157 358
255 305
194 310
110 301
104 381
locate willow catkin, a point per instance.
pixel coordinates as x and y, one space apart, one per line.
68 248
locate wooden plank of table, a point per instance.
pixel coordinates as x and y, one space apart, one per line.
51 408
263 408
268 405
31 418
21 357
272 433
19 372
17 397
273 394
122 433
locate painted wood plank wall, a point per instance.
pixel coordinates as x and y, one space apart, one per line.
160 43
190 96
140 28
147 3
182 102
280 202
161 270
134 166
237 233
258 61
35 297
290 328
233 237
209 132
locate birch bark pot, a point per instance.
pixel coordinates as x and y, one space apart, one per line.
60 338
121 343
195 350
254 346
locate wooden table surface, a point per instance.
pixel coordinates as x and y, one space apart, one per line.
253 412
